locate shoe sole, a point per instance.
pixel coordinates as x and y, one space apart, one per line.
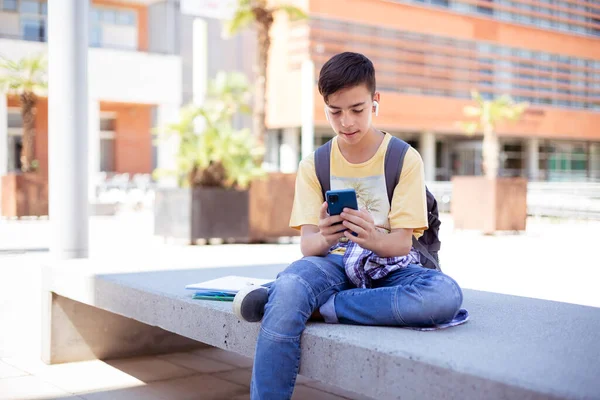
248 304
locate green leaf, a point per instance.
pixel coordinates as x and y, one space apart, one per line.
214 143
294 13
477 97
469 128
472 111
27 74
241 19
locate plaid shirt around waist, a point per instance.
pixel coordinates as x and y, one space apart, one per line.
363 266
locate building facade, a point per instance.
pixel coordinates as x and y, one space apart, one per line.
134 84
146 59
429 55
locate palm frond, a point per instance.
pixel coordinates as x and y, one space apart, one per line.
27 74
241 19
214 143
294 13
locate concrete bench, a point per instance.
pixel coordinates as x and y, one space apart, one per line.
513 348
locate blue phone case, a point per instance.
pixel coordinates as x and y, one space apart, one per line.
337 200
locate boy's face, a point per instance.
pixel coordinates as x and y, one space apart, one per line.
350 111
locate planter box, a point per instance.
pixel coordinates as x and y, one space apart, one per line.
258 214
24 194
201 213
489 205
271 201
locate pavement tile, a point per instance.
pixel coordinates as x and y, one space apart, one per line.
337 391
225 356
9 371
302 392
149 369
28 388
146 392
242 397
199 387
77 377
240 376
196 362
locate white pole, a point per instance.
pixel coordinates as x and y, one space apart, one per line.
308 107
3 140
3 134
68 127
533 159
94 148
427 147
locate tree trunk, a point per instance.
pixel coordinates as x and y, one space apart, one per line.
491 151
28 102
264 19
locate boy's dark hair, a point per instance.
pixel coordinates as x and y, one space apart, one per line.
346 70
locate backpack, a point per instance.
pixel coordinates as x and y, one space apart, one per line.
428 245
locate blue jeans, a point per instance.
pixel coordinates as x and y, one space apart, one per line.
413 296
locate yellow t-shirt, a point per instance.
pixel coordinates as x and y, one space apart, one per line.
409 203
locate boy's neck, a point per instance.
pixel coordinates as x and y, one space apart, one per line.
364 150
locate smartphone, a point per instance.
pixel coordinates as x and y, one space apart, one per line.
337 200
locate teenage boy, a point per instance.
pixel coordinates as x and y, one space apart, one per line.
371 277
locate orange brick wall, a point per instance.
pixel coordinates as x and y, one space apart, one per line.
133 139
429 113
438 22
402 112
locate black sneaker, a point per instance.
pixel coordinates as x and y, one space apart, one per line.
249 303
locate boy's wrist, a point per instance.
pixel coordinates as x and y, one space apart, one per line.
380 244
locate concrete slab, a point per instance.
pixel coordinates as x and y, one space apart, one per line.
514 347
28 387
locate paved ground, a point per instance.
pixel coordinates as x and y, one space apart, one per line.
555 260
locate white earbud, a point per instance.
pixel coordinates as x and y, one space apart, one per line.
326 113
376 105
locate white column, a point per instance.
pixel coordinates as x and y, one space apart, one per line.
427 147
199 60
167 148
446 159
3 138
94 147
3 135
533 159
594 164
289 150
68 128
308 107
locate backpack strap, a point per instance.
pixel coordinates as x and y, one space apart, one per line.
322 166
425 253
394 158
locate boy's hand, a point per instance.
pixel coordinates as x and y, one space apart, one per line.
361 222
331 233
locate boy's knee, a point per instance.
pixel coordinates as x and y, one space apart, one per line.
440 301
291 293
445 299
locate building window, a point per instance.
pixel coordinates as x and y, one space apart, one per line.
113 28
33 15
564 161
107 141
8 5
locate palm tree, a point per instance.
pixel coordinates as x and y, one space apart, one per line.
489 113
27 79
258 13
214 154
